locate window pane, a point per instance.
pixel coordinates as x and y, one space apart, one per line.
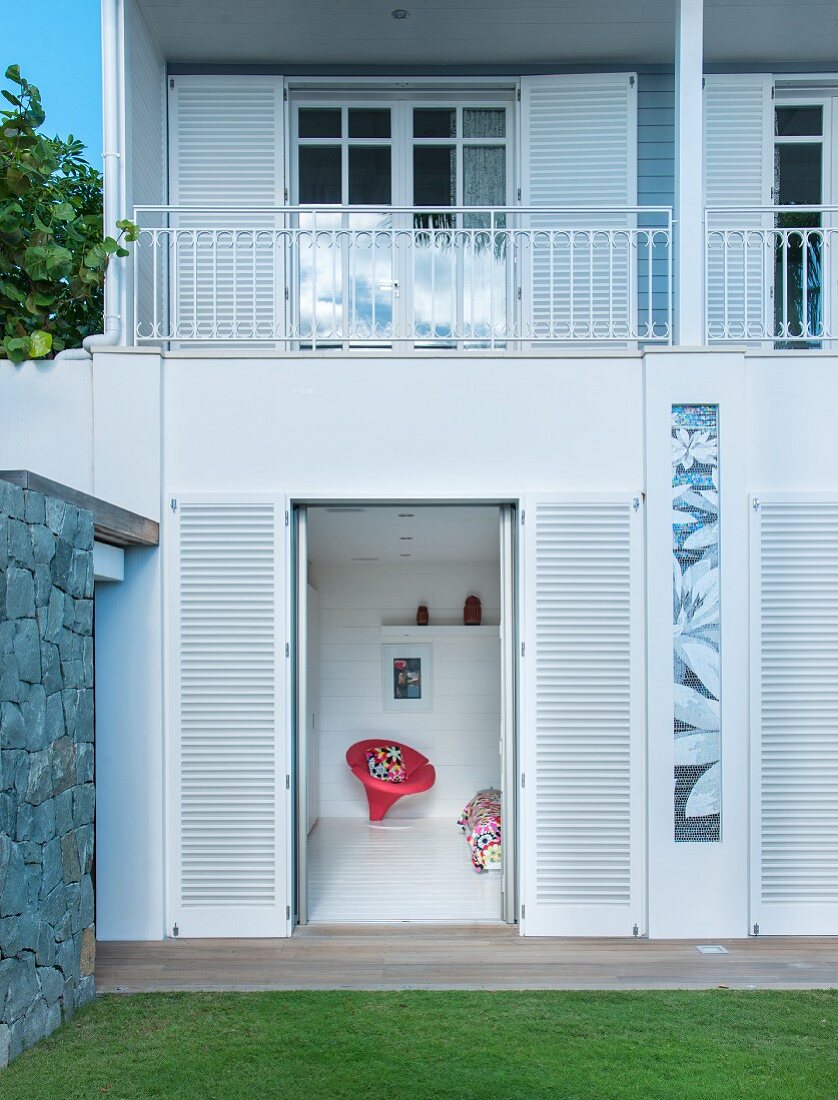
369 122
484 123
798 121
370 175
319 122
434 175
319 181
798 171
434 122
484 175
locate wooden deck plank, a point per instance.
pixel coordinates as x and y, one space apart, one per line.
467 957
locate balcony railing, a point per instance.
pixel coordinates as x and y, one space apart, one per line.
355 277
771 276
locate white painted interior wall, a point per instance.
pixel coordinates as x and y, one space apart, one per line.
460 734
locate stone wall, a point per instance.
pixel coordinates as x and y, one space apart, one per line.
47 939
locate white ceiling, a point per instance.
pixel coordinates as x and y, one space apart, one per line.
488 32
403 535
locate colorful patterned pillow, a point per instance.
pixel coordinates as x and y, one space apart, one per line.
385 762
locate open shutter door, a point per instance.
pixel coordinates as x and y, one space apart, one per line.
579 149
229 829
583 732
738 172
794 714
226 140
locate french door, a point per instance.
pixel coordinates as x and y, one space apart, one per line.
386 272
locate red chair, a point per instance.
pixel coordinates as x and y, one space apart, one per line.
381 794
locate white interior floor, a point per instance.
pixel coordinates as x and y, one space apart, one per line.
414 869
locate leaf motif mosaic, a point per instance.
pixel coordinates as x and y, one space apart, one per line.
696 623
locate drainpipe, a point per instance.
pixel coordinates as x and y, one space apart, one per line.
112 176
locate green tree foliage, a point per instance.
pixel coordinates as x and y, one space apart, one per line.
53 255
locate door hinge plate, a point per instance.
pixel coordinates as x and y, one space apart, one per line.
173 504
287 649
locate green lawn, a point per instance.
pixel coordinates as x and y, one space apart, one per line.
678 1046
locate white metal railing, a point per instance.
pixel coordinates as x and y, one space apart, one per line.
347 277
770 275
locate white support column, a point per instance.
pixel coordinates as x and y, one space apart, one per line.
113 157
689 173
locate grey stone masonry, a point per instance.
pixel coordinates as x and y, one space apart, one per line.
47 938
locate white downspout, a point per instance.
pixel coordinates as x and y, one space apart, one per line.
112 177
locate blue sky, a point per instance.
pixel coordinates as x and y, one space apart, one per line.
57 44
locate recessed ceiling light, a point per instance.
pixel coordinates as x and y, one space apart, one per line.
405 538
406 515
343 511
400 13
405 555
366 559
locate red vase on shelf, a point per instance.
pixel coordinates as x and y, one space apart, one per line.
472 612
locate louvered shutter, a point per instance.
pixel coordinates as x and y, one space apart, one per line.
582 728
229 831
794 714
738 172
227 150
579 149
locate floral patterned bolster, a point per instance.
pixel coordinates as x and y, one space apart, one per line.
480 821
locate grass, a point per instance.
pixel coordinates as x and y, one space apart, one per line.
458 1045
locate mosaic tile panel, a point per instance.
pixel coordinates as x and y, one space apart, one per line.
695 640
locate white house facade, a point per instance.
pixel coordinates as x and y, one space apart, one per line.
539 306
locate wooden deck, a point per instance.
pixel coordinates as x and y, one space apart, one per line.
458 957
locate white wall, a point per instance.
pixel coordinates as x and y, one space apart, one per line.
461 732
129 752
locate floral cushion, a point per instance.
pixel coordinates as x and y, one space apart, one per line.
385 762
481 822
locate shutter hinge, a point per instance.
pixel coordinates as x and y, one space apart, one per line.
519 294
287 649
523 911
635 931
171 82
523 780
285 193
703 83
519 93
772 91
756 929
175 931
286 294
523 649
756 504
286 517
173 504
636 504
631 81
288 912
519 194
285 95
288 782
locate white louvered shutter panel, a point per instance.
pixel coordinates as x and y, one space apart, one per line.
583 731
794 719
227 150
228 747
738 172
579 149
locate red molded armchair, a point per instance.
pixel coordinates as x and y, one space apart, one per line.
381 794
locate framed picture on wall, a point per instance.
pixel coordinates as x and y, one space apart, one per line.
406 677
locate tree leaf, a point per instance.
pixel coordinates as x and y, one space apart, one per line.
40 343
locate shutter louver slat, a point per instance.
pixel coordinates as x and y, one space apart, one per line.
582 876
796 727
228 815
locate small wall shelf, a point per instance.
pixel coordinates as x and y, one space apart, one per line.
441 632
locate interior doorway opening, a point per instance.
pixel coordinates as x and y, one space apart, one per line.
418 824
